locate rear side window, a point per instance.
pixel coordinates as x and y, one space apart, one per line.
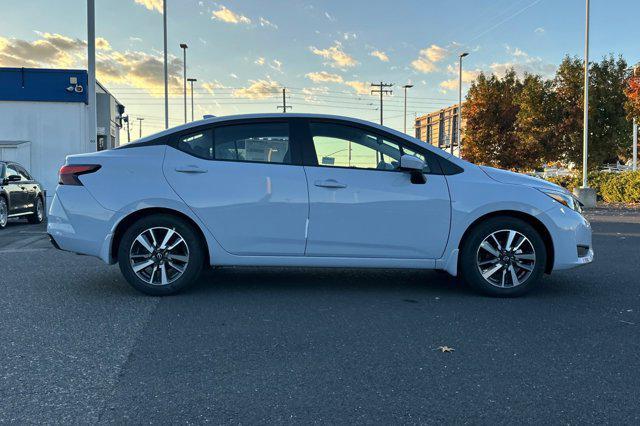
260 142
199 144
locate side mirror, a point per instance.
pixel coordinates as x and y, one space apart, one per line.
414 165
13 178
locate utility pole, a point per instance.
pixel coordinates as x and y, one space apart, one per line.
126 120
381 89
140 121
166 73
91 72
405 87
460 104
184 47
284 105
191 80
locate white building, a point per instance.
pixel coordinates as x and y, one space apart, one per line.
43 118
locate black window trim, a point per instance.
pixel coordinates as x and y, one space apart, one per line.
294 138
311 159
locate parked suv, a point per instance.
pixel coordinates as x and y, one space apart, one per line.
20 194
310 190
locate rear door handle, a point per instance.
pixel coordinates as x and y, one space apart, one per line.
190 169
329 183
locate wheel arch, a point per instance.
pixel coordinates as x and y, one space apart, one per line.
128 220
531 220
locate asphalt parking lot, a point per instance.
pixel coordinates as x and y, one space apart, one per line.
78 345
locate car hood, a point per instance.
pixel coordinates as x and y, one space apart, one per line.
505 176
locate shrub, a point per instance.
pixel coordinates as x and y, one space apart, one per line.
596 181
623 188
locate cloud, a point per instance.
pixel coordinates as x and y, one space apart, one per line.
258 89
336 56
360 87
260 61
468 76
276 65
311 93
380 55
329 17
539 30
428 57
264 22
226 15
212 86
323 76
434 53
521 62
155 5
131 68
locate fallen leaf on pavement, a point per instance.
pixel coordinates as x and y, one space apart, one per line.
445 349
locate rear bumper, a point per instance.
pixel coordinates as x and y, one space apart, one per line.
79 224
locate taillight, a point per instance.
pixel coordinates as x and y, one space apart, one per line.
68 174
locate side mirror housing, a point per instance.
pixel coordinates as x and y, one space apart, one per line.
410 162
13 178
414 165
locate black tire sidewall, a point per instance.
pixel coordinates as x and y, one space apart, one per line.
34 217
2 199
469 269
191 237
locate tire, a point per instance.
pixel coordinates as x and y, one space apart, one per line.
4 212
512 272
182 264
38 212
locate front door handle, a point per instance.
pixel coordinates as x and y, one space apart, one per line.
190 169
329 183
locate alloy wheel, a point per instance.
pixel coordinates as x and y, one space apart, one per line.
39 210
4 213
159 255
506 258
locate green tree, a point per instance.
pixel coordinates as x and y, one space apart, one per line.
537 121
609 130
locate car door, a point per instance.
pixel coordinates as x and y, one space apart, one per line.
17 196
245 181
28 187
362 205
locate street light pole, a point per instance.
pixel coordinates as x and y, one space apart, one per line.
91 74
460 104
585 131
405 87
184 76
166 76
191 80
634 166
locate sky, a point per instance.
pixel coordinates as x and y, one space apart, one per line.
324 52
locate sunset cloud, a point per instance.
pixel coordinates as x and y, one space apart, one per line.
258 89
155 5
427 58
323 76
336 56
226 15
380 55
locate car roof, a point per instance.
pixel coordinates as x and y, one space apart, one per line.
224 118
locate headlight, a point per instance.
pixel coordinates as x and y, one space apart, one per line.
563 198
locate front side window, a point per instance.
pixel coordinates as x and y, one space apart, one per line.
23 173
337 145
260 142
11 170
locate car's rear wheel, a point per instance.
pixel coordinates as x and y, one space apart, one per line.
38 212
503 256
4 212
160 254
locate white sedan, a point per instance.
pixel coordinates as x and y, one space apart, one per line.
310 190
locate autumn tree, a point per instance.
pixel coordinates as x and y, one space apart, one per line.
537 121
632 91
491 112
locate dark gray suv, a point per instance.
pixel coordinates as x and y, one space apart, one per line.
20 194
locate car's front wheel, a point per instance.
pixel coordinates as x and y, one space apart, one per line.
4 212
503 256
160 254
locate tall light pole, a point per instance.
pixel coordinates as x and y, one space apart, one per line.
585 130
460 104
184 77
191 80
140 122
405 87
166 76
91 74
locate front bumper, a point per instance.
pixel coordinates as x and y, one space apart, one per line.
572 238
